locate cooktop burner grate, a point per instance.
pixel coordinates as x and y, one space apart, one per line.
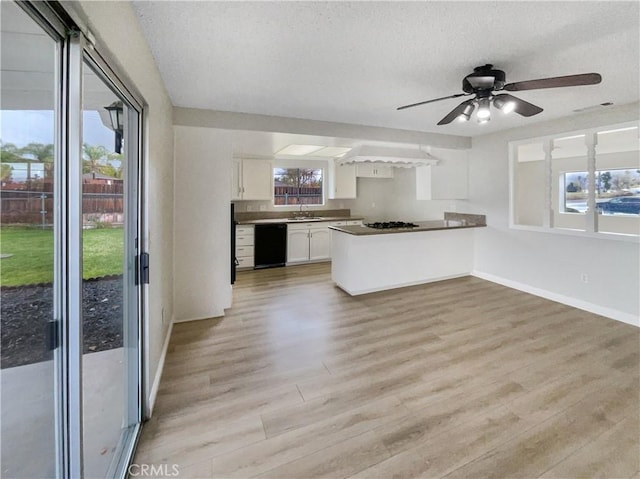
391 224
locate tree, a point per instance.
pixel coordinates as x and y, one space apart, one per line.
301 177
10 153
572 188
606 181
94 158
5 172
42 154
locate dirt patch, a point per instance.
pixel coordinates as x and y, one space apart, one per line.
25 312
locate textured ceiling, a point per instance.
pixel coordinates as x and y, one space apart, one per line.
355 62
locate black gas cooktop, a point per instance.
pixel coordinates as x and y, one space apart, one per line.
391 224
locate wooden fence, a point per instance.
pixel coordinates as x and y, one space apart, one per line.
292 195
100 202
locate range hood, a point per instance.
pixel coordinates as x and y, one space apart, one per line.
389 156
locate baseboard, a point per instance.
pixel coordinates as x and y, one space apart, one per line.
399 285
560 298
211 316
156 381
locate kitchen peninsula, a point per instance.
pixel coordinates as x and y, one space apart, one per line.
366 259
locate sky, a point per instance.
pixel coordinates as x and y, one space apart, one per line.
22 127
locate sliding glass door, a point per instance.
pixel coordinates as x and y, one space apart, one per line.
70 230
109 302
27 246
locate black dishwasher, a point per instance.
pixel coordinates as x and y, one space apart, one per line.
270 245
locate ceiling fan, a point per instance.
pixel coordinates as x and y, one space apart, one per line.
484 82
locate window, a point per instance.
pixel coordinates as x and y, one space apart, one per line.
583 182
616 192
297 186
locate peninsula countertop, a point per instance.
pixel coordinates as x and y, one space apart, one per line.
433 225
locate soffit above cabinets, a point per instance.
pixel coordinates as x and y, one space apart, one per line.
260 144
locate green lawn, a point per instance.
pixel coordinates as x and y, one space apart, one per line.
32 250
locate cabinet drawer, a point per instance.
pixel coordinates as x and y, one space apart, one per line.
244 230
299 226
244 251
354 222
244 240
246 262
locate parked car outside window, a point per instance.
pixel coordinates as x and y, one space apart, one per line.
628 205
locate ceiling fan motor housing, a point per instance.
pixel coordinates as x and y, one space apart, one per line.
484 79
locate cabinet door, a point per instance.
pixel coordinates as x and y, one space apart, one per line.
236 180
383 171
256 180
297 246
319 244
370 170
365 170
345 182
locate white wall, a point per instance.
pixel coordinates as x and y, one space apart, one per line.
202 276
545 263
116 28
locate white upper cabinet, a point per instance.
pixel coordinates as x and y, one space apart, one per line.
448 180
342 181
372 170
251 179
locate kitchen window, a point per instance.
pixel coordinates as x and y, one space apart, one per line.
297 186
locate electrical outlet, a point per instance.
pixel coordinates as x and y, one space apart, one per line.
373 205
263 208
584 277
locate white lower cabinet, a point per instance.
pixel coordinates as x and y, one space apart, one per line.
319 244
297 244
244 246
308 242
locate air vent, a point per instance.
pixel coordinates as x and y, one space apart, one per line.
594 107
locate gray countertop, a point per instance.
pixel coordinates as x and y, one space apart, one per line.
306 220
434 225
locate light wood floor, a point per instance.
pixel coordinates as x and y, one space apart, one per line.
458 379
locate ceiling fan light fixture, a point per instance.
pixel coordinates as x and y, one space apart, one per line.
466 113
508 107
505 105
484 120
483 108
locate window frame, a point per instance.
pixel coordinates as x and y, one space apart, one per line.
591 218
322 170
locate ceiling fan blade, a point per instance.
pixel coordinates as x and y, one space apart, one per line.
431 101
555 82
456 112
522 107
